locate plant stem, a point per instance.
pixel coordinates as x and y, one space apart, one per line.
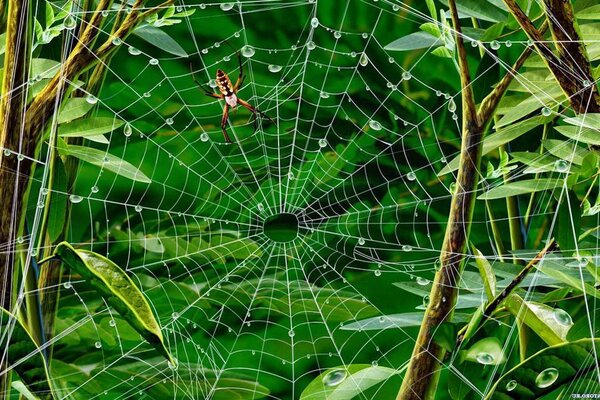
495 232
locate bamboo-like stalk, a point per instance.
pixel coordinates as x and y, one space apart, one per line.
421 379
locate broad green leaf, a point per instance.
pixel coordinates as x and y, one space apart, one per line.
24 356
118 289
487 351
588 120
569 274
89 127
579 134
487 274
546 371
539 317
479 9
521 187
414 41
23 390
500 137
468 300
404 320
566 150
105 160
160 39
592 13
73 108
346 382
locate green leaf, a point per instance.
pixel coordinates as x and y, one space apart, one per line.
431 8
160 39
521 187
569 218
119 291
89 127
346 382
414 41
487 274
73 108
579 134
58 201
569 274
479 9
24 356
565 150
592 13
546 371
105 160
487 351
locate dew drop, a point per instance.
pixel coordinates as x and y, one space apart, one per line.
117 41
495 45
407 247
138 208
376 126
134 51
335 377
474 43
364 60
67 285
377 272
511 385
361 241
70 22
324 95
169 121
406 75
562 317
91 99
451 106
274 68
40 204
248 51
337 35
314 22
104 13
291 333
6 152
260 207
391 60
546 111
422 281
426 300
322 143
112 322
311 45
20 239
98 345
226 6
484 358
374 363
508 43
561 166
95 189
204 137
75 199
411 176
127 130
546 378
365 35
153 61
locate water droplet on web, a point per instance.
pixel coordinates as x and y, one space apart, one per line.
322 143
426 300
40 204
377 272
508 43
260 207
451 105
169 121
153 61
561 166
91 99
335 377
6 152
138 208
546 378
98 345
546 111
112 322
365 35
495 45
562 317
75 199
391 60
70 22
248 51
364 60
134 51
95 189
44 191
204 51
422 281
104 13
291 333
376 126
20 157
411 176
361 241
337 35
226 6
311 45
179 9
406 75
204 137
146 94
324 95
314 22
511 385
172 365
407 247
484 358
117 41
274 68
474 43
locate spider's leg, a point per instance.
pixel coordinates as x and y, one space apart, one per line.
240 79
254 110
201 86
224 123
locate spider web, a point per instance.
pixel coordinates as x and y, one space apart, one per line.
359 137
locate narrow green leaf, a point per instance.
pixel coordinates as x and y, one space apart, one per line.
479 9
160 39
73 108
118 289
105 160
487 274
89 127
579 134
24 356
521 187
569 218
571 275
346 382
414 41
539 317
58 202
546 371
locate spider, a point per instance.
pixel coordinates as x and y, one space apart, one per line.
229 94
